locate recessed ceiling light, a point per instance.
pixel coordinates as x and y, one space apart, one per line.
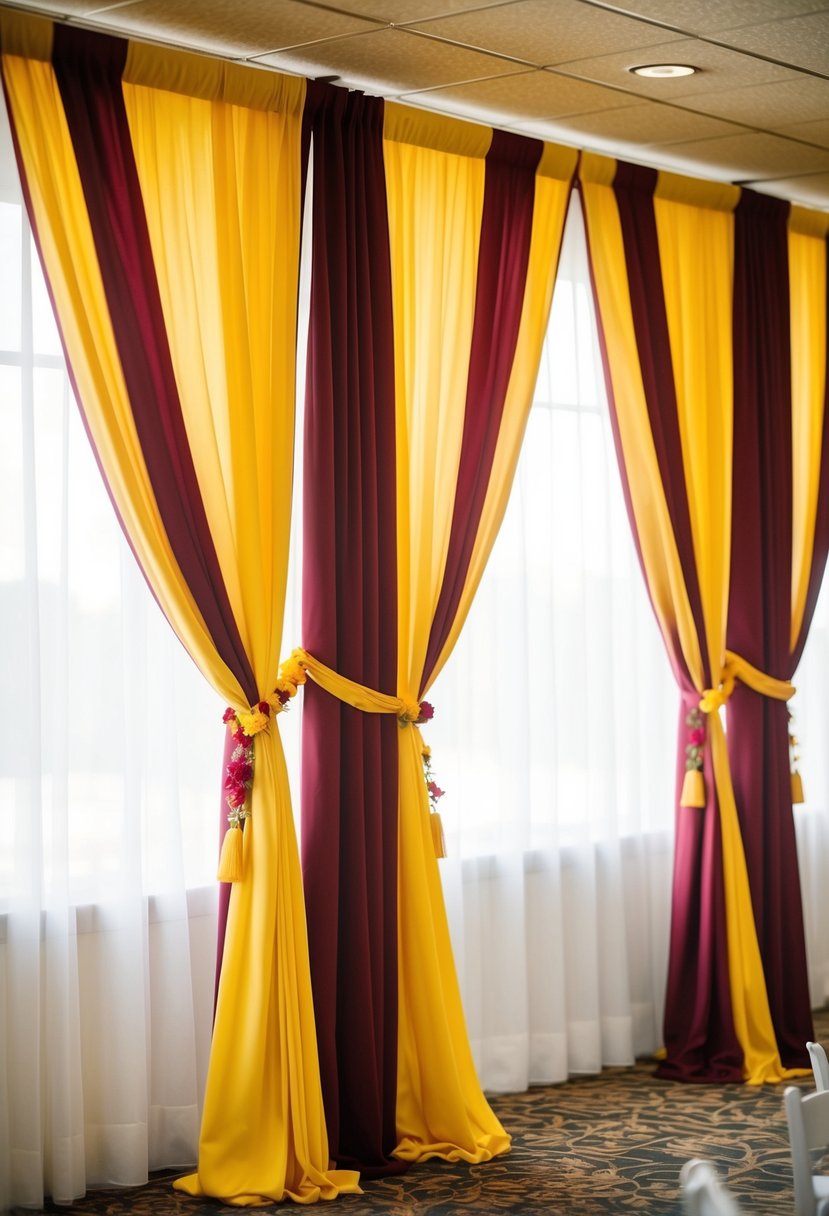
664 70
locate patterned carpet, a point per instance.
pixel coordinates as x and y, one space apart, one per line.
597 1145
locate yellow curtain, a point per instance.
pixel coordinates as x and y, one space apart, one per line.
694 223
224 227
435 173
807 277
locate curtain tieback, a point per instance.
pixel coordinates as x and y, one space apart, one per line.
244 726
712 699
408 711
738 668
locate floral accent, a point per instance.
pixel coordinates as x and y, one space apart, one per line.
432 787
244 727
695 748
417 712
254 722
239 770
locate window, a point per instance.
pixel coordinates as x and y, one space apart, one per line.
557 714
109 747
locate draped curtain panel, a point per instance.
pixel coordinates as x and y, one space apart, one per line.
349 758
715 438
164 191
436 243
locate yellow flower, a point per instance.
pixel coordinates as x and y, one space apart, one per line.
427 751
293 672
254 722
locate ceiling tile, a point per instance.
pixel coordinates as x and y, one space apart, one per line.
399 12
522 97
802 41
640 125
73 8
809 132
752 156
721 69
391 62
545 34
803 99
245 27
811 191
711 16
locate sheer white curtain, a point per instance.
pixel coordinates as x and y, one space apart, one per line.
109 771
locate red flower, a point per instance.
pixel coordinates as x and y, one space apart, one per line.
236 796
284 696
697 736
263 707
241 738
435 790
238 772
229 715
427 712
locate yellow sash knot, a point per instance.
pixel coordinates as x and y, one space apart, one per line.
738 668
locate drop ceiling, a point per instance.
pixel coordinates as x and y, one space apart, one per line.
756 112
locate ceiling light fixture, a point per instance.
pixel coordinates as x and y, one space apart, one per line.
664 70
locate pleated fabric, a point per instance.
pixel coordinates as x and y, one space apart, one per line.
168 226
714 434
436 244
349 622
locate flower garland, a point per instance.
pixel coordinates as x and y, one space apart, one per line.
694 755
434 790
244 726
693 787
798 796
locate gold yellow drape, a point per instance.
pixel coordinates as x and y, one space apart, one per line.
695 233
807 302
435 175
221 186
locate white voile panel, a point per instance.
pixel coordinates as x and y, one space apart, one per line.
810 724
109 765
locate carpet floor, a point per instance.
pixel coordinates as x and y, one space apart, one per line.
613 1143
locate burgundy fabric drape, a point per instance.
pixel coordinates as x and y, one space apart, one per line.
349 775
759 616
698 1024
88 68
506 228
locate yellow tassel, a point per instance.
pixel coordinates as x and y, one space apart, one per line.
797 788
438 838
231 861
693 788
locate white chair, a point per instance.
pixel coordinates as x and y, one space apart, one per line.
820 1065
807 1113
703 1194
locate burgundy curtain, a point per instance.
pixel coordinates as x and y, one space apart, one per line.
88 68
698 1027
349 622
759 615
506 230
